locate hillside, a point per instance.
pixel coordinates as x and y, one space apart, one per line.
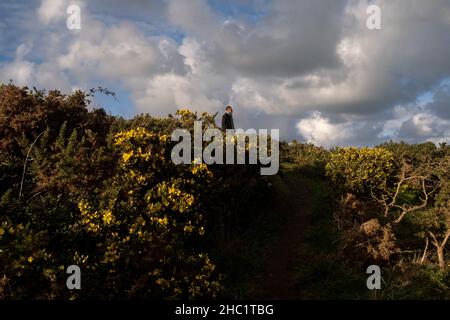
81 187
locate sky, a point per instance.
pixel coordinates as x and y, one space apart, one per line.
311 68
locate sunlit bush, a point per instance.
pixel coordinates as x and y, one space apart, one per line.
363 171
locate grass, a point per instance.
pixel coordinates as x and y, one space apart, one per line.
325 275
243 259
320 273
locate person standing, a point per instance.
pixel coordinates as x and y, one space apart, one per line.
227 119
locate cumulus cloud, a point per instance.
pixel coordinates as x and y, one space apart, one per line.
309 67
423 125
194 17
51 10
318 130
321 130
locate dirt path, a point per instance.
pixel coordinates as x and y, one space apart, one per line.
278 281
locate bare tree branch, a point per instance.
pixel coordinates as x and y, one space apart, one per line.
25 162
424 252
405 208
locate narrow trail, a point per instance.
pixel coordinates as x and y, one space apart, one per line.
278 281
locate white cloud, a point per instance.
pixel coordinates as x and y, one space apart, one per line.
165 93
193 16
52 10
319 130
111 52
19 71
27 73
425 126
313 60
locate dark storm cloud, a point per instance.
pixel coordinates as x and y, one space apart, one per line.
441 103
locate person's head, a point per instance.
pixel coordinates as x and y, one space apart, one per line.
229 109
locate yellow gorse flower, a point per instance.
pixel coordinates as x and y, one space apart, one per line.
188 228
107 217
202 168
138 133
127 155
94 220
163 221
184 112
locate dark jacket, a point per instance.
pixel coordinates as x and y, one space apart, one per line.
227 121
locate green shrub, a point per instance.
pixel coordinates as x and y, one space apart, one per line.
362 171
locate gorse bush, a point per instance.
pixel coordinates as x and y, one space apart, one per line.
144 224
394 206
79 187
308 157
389 206
362 171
